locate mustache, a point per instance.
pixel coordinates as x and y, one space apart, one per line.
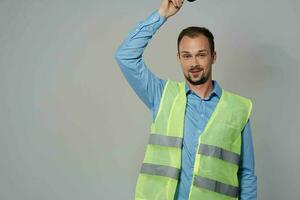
196 68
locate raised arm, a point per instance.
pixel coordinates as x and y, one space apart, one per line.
129 55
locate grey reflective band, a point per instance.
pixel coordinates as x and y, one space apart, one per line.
216 186
209 150
160 170
163 140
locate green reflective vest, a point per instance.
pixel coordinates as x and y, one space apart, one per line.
218 152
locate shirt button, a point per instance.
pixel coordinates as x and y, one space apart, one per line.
202 115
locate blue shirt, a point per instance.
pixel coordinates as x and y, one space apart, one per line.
149 88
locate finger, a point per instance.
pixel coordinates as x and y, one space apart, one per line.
179 2
174 2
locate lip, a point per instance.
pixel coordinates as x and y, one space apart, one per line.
196 72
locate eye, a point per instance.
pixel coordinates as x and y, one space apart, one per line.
186 56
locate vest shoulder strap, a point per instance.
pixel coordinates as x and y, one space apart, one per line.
170 92
238 103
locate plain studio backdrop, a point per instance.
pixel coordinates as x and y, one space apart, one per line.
72 128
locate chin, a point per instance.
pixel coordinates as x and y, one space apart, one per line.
196 79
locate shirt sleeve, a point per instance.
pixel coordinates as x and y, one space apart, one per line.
146 85
246 173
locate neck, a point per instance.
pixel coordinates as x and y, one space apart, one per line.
202 90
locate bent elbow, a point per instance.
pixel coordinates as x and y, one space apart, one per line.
118 55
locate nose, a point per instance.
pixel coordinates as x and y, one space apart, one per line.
195 61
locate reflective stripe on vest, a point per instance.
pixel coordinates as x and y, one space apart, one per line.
160 170
164 140
217 152
216 186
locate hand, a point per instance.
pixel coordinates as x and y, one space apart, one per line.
169 8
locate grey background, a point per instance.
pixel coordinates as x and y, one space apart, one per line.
72 128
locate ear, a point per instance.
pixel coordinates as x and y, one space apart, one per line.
178 57
214 57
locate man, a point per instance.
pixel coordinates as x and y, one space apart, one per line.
200 146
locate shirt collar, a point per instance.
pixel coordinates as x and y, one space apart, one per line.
217 90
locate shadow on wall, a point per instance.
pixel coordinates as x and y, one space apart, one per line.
276 117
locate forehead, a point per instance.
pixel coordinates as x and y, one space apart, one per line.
194 44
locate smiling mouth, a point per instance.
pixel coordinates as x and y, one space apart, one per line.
196 70
195 73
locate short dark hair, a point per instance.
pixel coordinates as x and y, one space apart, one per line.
195 31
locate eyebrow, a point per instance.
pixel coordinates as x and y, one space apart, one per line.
200 51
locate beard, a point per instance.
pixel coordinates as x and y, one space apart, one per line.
198 80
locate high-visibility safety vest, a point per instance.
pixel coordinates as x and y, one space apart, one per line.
217 156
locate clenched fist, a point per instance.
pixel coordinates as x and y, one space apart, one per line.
168 8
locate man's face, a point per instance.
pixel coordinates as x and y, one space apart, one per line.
196 59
